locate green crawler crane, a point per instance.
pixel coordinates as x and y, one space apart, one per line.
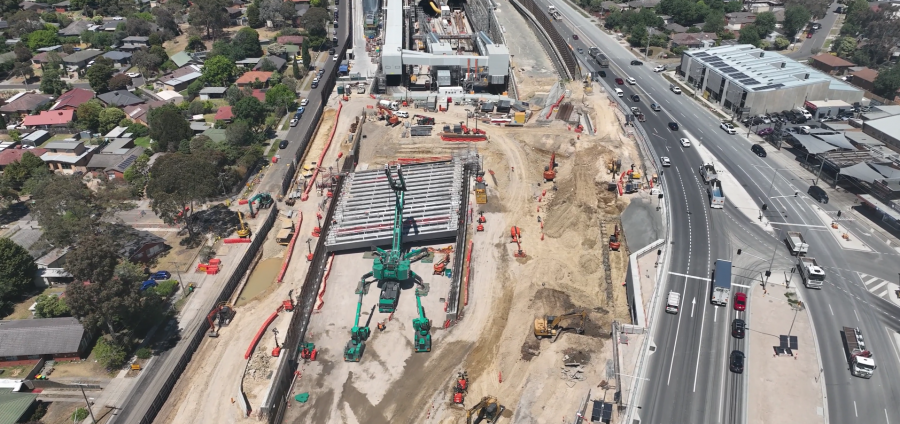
422 325
358 335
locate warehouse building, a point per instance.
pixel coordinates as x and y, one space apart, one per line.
748 80
886 130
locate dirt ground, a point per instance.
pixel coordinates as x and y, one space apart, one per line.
563 271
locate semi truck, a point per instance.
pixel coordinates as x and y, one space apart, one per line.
796 243
716 195
859 358
673 303
721 283
812 274
708 172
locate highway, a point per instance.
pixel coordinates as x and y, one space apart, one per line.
687 375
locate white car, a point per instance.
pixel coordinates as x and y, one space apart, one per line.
804 129
132 74
685 142
304 102
335 58
631 80
676 90
402 114
659 68
727 128
665 161
294 122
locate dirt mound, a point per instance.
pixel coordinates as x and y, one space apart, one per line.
577 356
579 196
589 262
552 300
531 348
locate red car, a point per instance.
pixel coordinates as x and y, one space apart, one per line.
620 81
740 301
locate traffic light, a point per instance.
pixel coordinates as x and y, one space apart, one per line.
768 273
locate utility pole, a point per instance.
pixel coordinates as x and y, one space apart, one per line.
772 261
822 164
87 403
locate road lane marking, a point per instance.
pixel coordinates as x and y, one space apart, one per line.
855 412
886 416
674 346
689 276
740 285
832 310
883 283
699 346
857 315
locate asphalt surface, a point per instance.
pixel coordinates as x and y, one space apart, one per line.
152 379
687 375
818 38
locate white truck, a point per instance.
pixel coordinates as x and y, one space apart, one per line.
812 274
716 195
551 10
721 283
673 303
708 172
387 104
859 358
796 243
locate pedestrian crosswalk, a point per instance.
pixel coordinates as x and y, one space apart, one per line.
878 286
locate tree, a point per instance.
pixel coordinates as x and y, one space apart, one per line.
94 258
813 7
119 82
638 37
51 81
238 134
218 71
168 128
888 81
146 61
296 68
270 10
795 19
315 20
137 174
99 74
209 16
251 110
253 16
137 27
782 43
193 90
195 44
275 49
23 53
280 96
245 44
88 114
715 22
109 353
197 107
234 94
64 208
288 11
177 182
749 35
291 83
266 65
165 19
307 58
844 46
24 22
109 118
50 306
765 23
17 270
42 38
16 173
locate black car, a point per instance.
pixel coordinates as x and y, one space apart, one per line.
331 51
818 193
602 74
758 150
574 36
637 62
635 98
315 84
673 126
283 144
736 362
737 328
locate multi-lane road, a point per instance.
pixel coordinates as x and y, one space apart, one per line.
687 378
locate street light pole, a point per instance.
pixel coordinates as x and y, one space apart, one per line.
822 164
88 404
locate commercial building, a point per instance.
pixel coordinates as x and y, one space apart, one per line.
886 130
748 80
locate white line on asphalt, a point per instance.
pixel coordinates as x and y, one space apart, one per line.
689 276
874 279
857 315
854 409
832 310
883 283
740 285
674 345
886 416
699 345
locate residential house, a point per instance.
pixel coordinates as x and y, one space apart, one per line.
35 7
113 165
142 247
759 6
248 63
70 100
260 94
36 138
138 113
110 24
199 127
224 114
253 76
277 63
25 103
864 78
291 51
42 59
17 406
296 40
641 4
829 64
182 58
8 156
675 28
62 7
133 43
49 119
162 83
28 340
235 14
120 98
212 93
608 7
68 156
734 21
51 268
170 96
81 58
120 58
4 25
182 82
694 40
74 29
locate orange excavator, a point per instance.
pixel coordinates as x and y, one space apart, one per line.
441 266
614 243
550 171
461 388
517 238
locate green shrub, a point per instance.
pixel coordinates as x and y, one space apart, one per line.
109 353
144 353
80 414
165 288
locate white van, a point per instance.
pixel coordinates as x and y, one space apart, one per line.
673 303
402 113
804 112
620 93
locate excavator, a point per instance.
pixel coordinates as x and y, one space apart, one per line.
264 201
550 170
243 231
488 410
549 326
421 326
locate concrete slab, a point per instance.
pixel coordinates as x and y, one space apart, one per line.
642 224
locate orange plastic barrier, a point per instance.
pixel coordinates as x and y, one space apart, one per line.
468 271
290 249
337 116
260 333
236 240
321 302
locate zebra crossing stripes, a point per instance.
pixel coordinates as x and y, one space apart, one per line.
877 286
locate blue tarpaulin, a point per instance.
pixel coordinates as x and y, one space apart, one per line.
343 68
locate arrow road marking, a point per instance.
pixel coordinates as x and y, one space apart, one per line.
693 303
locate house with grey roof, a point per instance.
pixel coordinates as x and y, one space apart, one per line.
48 338
182 58
113 165
25 103
81 59
67 156
277 63
212 93
163 82
74 29
120 98
119 58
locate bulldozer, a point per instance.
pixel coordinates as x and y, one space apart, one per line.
488 410
549 326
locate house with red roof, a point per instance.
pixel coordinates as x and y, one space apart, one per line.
259 94
70 100
224 114
11 155
252 76
49 118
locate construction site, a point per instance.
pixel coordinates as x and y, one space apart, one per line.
456 262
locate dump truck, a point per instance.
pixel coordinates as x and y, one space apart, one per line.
708 172
673 303
602 60
480 193
796 243
859 358
812 274
716 195
721 283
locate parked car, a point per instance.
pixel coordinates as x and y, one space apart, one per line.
304 102
728 128
283 144
685 142
804 129
301 109
637 62
659 68
758 150
765 131
132 74
665 161
740 301
818 193
673 126
294 122
736 362
675 89
738 326
161 276
315 84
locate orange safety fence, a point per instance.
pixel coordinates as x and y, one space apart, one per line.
260 332
337 116
468 271
320 302
290 249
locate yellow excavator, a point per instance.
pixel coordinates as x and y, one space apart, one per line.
243 231
488 410
549 326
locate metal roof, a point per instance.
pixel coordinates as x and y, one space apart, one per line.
40 336
813 145
889 125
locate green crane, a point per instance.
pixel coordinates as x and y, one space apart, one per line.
421 325
358 335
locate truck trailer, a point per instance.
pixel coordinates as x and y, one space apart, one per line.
812 274
721 283
796 243
716 194
859 358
